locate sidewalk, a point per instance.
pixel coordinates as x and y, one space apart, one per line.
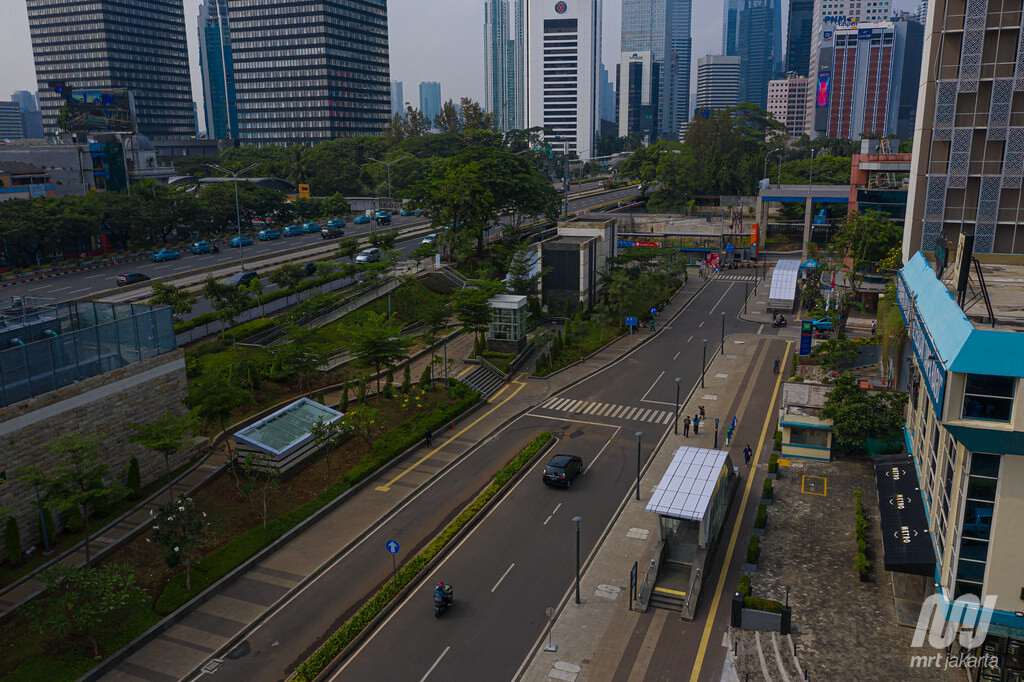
597 640
230 610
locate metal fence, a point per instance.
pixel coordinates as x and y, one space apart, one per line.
80 340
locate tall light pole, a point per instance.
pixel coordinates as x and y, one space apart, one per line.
675 425
704 363
765 171
810 176
639 437
577 519
388 164
722 349
238 214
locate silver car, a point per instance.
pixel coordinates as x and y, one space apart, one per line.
371 255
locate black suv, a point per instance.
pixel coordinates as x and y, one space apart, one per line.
562 469
241 279
331 232
131 278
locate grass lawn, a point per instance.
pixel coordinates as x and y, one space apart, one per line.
30 655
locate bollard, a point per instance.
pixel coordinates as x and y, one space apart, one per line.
453 425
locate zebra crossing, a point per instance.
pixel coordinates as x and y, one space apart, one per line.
627 412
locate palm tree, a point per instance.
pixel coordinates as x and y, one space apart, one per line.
298 165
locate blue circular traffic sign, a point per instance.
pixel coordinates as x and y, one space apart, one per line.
391 546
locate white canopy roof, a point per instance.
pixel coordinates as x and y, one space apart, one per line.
686 488
784 281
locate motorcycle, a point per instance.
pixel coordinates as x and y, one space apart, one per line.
214 249
779 322
443 598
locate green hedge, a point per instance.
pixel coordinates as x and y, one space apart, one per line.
316 663
860 531
778 439
766 490
762 516
760 604
744 585
773 463
753 549
226 558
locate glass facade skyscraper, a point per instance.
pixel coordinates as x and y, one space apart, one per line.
215 62
307 72
430 100
798 42
752 30
135 44
663 28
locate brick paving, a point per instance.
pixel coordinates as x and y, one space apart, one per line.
844 629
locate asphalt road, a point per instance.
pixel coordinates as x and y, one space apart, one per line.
89 282
520 560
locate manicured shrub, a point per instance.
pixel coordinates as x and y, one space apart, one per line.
361 393
753 549
406 379
425 377
766 490
778 439
320 398
73 520
101 506
389 384
134 482
12 541
51 527
744 586
762 516
760 604
773 463
343 403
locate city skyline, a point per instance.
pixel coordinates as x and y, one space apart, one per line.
414 57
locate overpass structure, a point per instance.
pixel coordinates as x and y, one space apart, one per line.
806 194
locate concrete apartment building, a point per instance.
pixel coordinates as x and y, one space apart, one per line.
787 99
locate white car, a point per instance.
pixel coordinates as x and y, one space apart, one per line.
371 255
430 238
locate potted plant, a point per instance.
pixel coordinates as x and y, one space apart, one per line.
773 466
766 493
753 553
760 520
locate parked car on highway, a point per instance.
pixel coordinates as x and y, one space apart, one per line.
562 469
240 241
267 235
131 278
241 279
164 254
203 247
331 232
370 255
335 222
293 231
406 212
361 220
310 228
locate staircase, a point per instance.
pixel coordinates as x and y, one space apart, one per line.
665 598
485 380
457 280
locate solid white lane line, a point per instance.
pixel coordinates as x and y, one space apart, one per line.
505 573
557 507
644 398
431 669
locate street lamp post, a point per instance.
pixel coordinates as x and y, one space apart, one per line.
810 176
577 519
388 164
238 214
675 425
704 363
639 437
765 171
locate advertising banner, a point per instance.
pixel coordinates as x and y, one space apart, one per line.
100 111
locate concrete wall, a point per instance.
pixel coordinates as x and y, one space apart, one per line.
1006 551
69 166
102 404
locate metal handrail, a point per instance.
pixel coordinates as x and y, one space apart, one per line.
486 363
643 583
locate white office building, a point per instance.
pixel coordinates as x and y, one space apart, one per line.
563 66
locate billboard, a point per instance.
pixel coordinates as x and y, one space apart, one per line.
100 111
824 84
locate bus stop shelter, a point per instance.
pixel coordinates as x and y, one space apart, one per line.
782 294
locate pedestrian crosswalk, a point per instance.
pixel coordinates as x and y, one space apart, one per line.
594 409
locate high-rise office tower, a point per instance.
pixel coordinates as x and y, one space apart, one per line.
31 117
868 80
637 87
314 72
563 63
787 102
731 26
10 121
499 55
718 82
757 44
430 99
834 14
25 99
397 98
217 67
138 45
518 118
608 98
968 141
662 27
798 41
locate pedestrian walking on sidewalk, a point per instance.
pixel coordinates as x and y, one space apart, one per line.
686 427
696 424
701 408
426 436
746 454
872 327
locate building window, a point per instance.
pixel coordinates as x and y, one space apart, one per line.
814 437
978 505
988 397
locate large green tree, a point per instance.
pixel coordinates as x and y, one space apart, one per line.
858 414
164 435
377 342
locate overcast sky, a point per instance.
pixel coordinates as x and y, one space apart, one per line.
431 40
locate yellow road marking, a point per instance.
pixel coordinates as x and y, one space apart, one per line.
471 367
665 589
702 649
824 485
387 486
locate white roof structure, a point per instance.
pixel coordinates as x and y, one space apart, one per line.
686 488
288 428
784 278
